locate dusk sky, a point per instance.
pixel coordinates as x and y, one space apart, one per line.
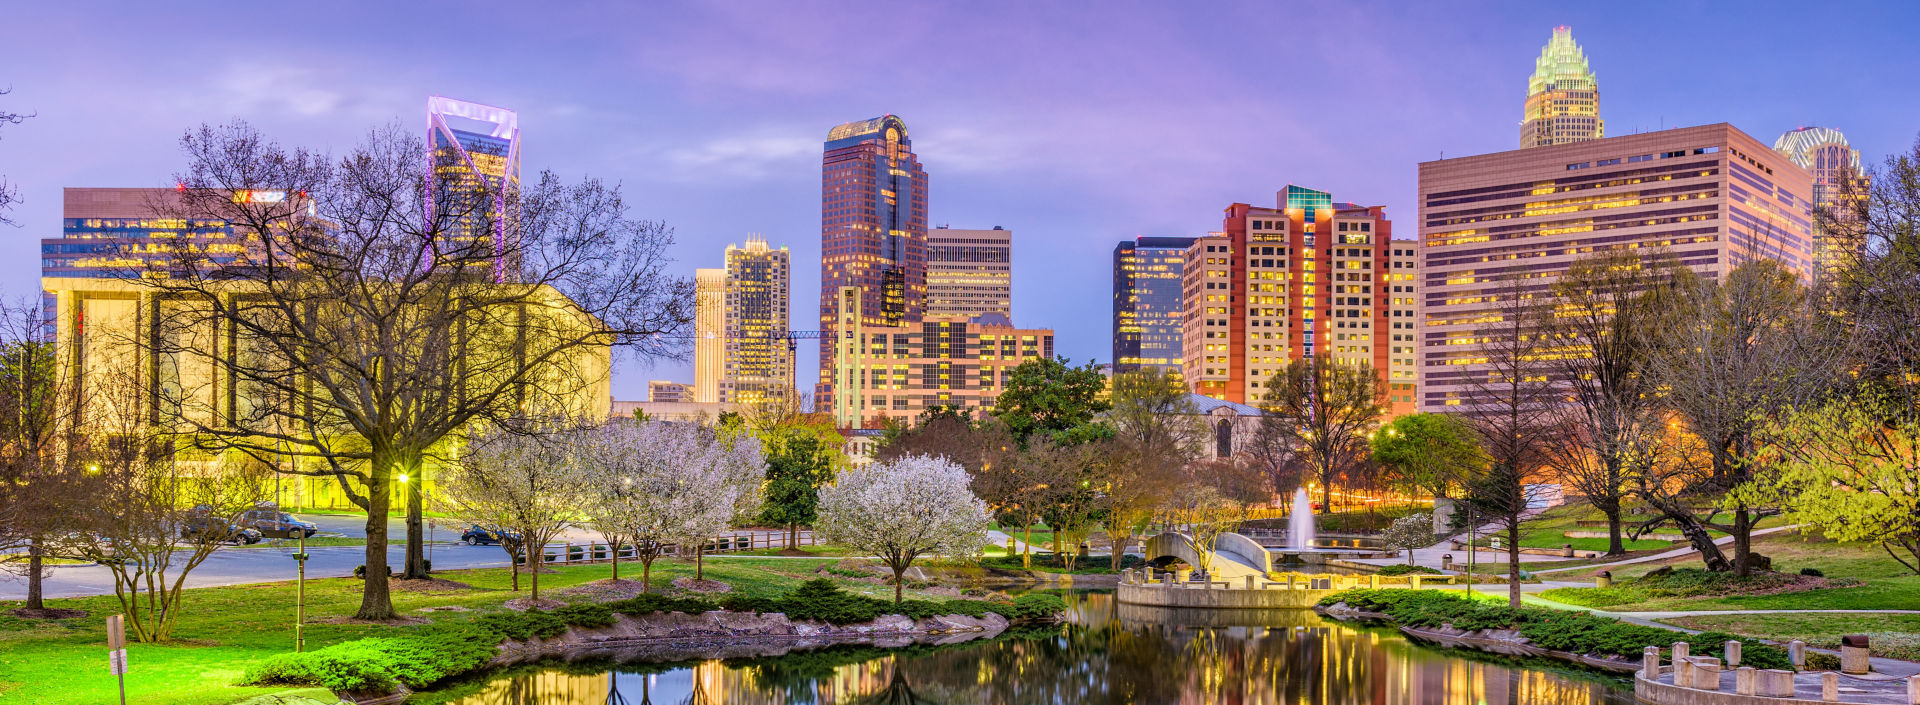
1073 124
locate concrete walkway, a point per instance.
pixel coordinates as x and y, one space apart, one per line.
1665 555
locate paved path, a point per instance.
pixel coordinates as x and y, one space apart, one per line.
1889 666
1665 555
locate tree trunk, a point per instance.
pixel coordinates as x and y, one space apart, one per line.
899 582
1026 547
513 564
375 601
700 562
615 548
1615 546
1120 543
35 589
416 563
646 575
1742 542
1513 560
793 537
535 558
1326 496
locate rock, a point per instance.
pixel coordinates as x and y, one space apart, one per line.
859 564
915 573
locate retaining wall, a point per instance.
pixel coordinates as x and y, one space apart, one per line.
1198 595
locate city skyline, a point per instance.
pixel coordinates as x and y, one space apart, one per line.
689 147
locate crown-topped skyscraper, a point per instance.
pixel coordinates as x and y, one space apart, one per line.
1563 99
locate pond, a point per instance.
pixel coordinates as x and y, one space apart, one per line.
1108 653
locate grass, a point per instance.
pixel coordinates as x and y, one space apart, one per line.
1885 584
222 630
1894 635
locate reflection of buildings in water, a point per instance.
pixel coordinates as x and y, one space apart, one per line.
1108 655
546 688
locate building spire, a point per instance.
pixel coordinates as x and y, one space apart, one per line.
1563 97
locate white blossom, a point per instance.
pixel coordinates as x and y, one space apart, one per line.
903 509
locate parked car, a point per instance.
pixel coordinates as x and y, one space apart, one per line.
201 526
477 535
278 524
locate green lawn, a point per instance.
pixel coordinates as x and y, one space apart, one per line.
1894 635
222 630
1885 583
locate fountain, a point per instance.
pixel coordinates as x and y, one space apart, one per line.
1300 523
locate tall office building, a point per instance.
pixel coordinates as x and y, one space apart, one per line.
121 232
1825 154
969 272
709 333
873 231
1147 302
1711 196
1307 278
476 150
1563 99
901 371
757 363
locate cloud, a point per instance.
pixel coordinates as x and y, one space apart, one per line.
760 154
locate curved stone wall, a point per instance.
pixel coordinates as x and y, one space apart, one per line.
1200 595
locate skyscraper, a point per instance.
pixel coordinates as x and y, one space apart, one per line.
756 363
709 332
873 231
1563 99
1710 196
969 272
900 372
1308 278
1147 302
1825 154
476 150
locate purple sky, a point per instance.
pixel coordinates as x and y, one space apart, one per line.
1074 124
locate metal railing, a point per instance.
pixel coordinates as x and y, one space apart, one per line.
593 552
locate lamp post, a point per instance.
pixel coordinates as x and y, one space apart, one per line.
300 598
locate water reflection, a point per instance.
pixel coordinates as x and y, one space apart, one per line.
1111 653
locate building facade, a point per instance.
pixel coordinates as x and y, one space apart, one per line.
757 360
124 232
873 231
665 392
709 333
476 150
1307 278
1147 303
969 272
899 372
1827 157
1711 196
1563 98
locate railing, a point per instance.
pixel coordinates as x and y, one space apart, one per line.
1283 581
565 553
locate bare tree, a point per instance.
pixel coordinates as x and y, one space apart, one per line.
1132 478
1325 409
1510 403
1607 308
35 428
9 193
378 306
1742 350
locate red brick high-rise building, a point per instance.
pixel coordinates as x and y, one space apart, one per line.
1308 277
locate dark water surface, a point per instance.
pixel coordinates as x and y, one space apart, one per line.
1109 653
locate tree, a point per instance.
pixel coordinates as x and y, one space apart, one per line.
1431 453
903 509
1206 514
1152 408
9 193
382 305
1408 533
149 512
1048 396
527 484
1132 476
1608 308
1324 408
36 426
1851 469
1510 405
684 484
1742 350
798 465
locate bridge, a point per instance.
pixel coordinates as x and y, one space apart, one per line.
1235 557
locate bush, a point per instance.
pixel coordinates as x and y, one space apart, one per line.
377 664
650 603
585 614
521 626
1812 572
820 599
1817 661
1033 605
1575 632
1404 569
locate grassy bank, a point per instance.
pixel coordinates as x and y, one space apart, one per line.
1893 635
222 631
1865 578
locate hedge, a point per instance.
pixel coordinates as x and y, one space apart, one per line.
821 600
1558 630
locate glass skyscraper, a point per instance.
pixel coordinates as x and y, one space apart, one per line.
1147 302
1563 98
873 231
476 156
1825 154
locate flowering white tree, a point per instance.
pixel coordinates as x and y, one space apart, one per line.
520 484
903 509
661 485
